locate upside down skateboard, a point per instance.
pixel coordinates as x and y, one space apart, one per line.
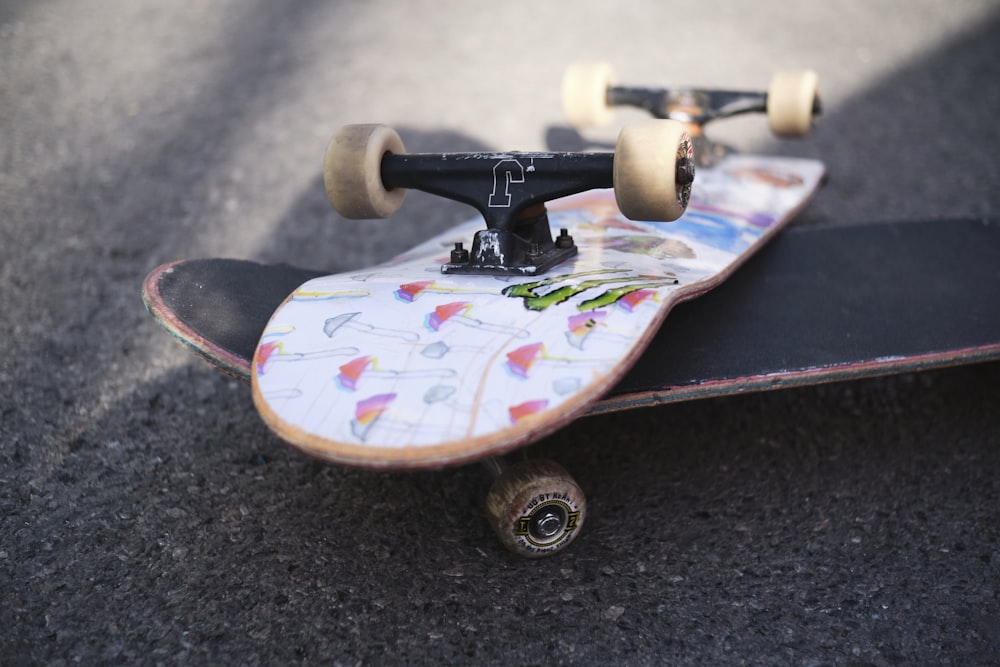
447 354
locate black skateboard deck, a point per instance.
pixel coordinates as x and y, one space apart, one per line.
817 305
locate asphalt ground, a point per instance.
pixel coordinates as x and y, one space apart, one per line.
146 514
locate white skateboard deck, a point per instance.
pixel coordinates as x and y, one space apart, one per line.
401 366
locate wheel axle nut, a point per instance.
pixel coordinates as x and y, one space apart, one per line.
685 171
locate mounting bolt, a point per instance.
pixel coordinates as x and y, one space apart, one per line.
459 255
564 240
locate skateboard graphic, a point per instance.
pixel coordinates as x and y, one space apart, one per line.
449 354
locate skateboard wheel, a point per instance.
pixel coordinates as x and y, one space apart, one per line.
653 170
352 171
790 102
585 94
536 508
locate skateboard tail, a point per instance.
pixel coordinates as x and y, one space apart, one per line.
529 421
229 362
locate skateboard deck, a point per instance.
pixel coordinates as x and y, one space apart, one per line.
400 366
828 304
817 305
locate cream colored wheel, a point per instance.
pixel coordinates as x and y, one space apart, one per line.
653 170
585 94
352 171
790 102
535 508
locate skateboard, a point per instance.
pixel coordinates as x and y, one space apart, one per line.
447 355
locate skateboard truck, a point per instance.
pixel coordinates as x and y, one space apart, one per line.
528 248
791 103
697 107
517 239
366 171
509 190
